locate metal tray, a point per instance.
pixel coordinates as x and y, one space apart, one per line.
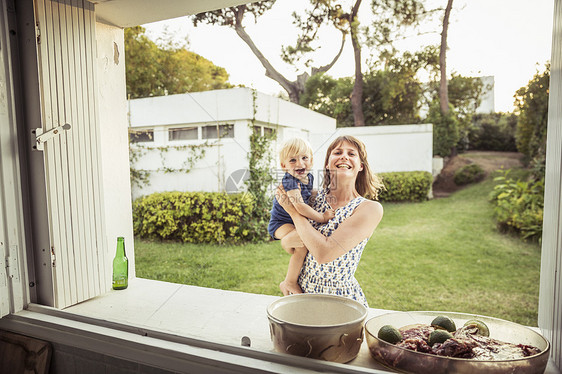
407 361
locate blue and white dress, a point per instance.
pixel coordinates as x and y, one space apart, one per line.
338 276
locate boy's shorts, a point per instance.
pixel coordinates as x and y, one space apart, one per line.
274 224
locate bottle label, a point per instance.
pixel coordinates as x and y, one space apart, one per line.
119 282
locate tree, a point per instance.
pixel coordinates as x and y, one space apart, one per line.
532 107
392 21
153 70
234 17
445 129
464 96
392 93
327 95
443 89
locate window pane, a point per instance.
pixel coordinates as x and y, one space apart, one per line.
210 132
142 136
183 134
257 130
227 131
268 131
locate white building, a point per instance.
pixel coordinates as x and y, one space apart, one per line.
487 101
169 132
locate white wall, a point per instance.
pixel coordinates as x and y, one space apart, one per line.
224 106
389 148
238 106
487 101
221 159
114 147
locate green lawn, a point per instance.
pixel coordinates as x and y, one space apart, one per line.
444 254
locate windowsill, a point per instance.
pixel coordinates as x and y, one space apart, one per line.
168 325
213 315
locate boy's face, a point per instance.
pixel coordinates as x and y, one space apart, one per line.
298 166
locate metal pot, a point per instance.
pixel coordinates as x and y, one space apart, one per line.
409 361
325 327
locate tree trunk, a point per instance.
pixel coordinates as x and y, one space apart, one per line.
443 89
325 68
270 71
296 88
357 93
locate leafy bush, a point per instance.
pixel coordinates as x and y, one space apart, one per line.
469 174
195 217
406 186
493 132
519 206
532 103
445 129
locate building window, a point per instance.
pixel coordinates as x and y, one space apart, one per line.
267 131
218 131
189 133
264 131
141 136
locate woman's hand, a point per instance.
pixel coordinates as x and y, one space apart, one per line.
285 201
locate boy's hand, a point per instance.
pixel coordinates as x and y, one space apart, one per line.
329 214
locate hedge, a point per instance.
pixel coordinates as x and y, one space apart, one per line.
194 217
406 186
213 217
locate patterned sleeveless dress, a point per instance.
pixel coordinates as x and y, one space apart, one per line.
338 276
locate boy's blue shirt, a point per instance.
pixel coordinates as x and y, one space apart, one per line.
291 183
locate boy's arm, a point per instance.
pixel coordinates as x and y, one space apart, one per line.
313 195
296 198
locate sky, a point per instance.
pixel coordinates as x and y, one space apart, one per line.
507 39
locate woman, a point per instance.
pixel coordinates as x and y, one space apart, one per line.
335 247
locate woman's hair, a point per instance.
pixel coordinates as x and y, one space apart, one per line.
294 147
367 184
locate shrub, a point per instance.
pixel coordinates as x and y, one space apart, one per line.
194 217
469 174
519 206
532 104
406 186
445 130
493 132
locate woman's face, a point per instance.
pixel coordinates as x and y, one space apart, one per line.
344 161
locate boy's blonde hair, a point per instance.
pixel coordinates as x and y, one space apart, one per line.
294 147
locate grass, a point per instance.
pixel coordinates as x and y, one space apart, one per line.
444 254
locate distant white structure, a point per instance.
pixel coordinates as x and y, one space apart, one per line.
487 103
165 129
487 98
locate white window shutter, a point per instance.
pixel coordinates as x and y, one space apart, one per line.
67 77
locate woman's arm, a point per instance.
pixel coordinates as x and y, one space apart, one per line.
349 233
304 209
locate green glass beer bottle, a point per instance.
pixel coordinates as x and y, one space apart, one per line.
120 266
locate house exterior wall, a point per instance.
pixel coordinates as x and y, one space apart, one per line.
390 148
223 106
